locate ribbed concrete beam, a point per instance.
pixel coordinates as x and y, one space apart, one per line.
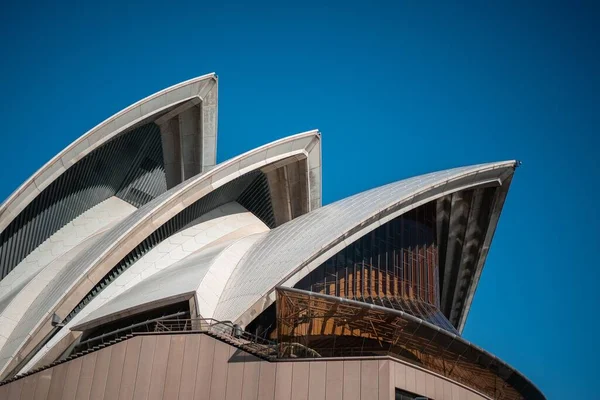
188 135
443 208
171 145
289 189
470 249
496 208
459 215
280 194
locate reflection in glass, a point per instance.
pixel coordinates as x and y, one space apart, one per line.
394 266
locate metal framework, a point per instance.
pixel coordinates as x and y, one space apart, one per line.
382 289
224 330
337 327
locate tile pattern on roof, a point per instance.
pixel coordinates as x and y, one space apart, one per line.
284 249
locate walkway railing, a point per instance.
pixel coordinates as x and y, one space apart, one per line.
224 330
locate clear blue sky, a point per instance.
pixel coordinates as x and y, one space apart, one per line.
396 90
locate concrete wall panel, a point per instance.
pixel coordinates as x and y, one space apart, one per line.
447 391
86 377
130 369
189 366
411 380
73 372
420 382
205 368
473 396
455 392
174 367
385 377
43 384
429 385
266 381
29 384
144 368
300 376
283 381
317 380
351 388
98 385
335 380
4 391
14 392
218 383
58 382
399 375
159 367
439 388
369 379
235 374
392 379
251 378
464 394
115 369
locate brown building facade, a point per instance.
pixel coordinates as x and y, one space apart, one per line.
198 366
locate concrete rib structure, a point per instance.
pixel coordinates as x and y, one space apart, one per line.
170 242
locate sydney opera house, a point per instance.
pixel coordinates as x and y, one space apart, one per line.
134 266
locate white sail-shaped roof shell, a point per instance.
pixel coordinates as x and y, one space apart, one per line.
70 283
286 254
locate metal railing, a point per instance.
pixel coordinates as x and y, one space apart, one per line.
224 330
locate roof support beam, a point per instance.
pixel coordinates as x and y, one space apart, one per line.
459 215
494 214
288 185
188 134
469 252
